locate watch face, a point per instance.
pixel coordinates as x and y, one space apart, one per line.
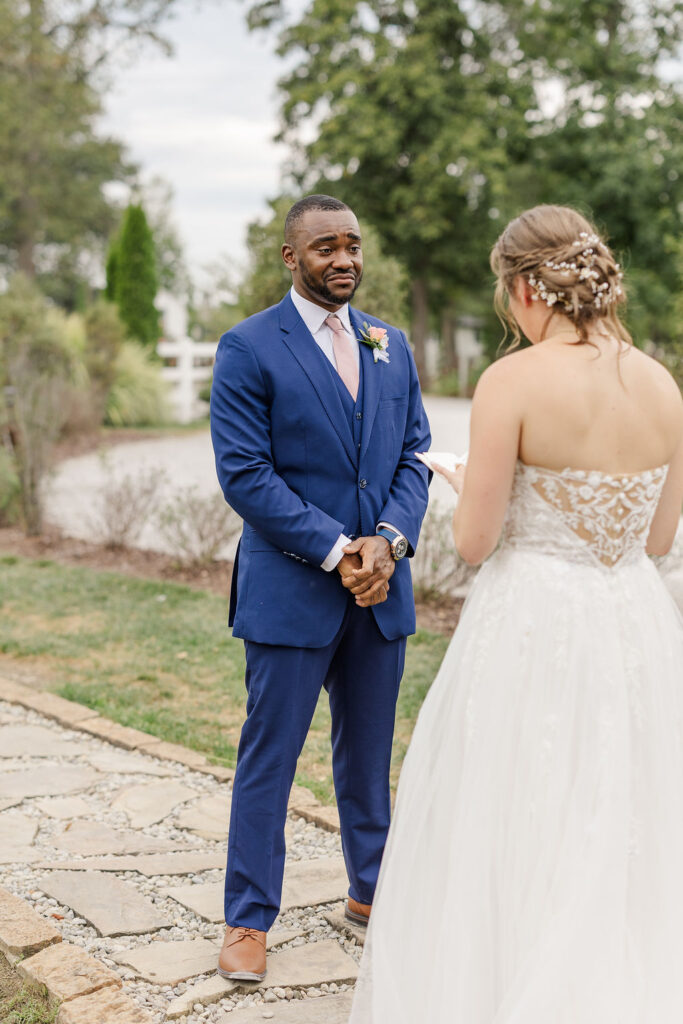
399 548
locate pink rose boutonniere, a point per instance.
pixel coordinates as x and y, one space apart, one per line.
376 338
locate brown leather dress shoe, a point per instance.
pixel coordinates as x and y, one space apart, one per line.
359 913
243 956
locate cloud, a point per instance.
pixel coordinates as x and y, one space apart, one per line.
204 120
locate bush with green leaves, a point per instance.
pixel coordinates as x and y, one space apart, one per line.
138 396
36 374
9 489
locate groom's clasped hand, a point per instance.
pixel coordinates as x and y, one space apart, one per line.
366 568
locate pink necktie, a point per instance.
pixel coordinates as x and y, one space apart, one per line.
343 354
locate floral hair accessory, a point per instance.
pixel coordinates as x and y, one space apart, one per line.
376 338
581 266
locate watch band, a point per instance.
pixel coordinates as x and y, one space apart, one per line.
397 542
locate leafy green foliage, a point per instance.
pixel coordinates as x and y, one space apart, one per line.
9 489
132 265
35 374
413 116
439 121
52 163
138 395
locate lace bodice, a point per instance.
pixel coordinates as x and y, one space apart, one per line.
581 515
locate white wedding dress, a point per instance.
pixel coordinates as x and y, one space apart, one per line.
534 868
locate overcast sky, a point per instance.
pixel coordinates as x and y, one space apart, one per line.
204 120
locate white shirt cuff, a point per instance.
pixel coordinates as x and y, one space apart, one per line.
336 554
394 529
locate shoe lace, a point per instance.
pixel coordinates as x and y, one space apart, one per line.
247 933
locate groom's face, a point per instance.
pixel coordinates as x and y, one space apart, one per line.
325 257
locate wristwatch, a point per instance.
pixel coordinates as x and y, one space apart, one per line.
397 542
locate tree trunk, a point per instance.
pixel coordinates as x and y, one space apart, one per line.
419 327
448 356
26 248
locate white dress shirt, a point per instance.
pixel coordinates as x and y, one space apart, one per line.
314 317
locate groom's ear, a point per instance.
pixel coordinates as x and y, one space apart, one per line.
288 256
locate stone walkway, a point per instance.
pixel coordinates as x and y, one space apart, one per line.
112 853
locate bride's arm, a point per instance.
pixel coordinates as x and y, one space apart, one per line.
494 445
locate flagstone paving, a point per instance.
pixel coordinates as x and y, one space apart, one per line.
17 833
68 971
208 818
111 906
117 854
92 838
152 801
307 1011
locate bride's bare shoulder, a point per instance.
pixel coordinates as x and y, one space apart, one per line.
512 367
648 371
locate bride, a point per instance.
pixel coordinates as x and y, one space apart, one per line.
534 868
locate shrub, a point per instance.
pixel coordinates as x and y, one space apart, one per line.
105 336
447 384
437 568
196 527
35 380
138 395
124 505
9 490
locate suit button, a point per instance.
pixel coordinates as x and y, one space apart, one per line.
362 483
359 415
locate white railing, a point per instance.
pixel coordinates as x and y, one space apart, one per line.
187 365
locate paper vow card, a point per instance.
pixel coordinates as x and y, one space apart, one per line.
449 460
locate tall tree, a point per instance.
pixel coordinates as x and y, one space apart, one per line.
53 162
135 277
412 110
611 136
437 120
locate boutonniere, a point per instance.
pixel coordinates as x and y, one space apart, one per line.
376 338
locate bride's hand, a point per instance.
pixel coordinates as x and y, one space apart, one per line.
455 478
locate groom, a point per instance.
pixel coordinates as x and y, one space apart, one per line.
316 416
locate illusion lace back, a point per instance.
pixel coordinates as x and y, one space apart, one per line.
533 869
583 515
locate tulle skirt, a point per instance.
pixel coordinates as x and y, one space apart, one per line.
534 868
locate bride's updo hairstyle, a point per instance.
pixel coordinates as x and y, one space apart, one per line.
568 267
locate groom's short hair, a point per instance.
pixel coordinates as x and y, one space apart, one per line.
302 206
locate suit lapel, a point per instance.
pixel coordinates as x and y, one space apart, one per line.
372 382
315 365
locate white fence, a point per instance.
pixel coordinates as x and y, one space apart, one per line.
187 366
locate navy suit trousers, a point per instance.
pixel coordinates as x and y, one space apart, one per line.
361 672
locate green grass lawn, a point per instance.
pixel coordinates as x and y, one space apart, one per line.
20 1004
159 657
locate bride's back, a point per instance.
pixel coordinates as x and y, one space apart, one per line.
603 406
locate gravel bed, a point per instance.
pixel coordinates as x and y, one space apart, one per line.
306 842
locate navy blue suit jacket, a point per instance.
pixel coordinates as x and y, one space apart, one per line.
287 463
